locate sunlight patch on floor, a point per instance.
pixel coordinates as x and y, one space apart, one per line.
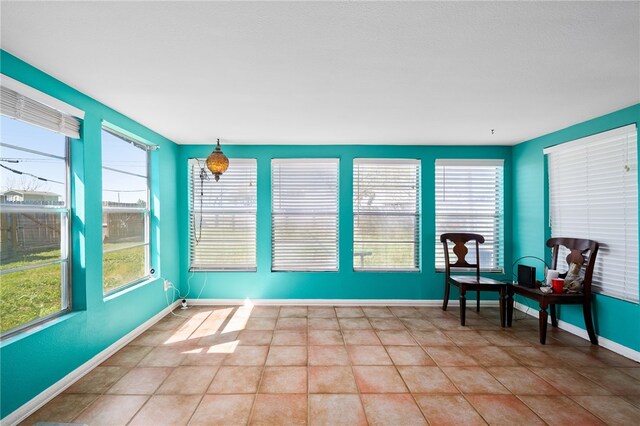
210 330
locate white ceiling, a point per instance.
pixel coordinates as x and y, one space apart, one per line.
336 73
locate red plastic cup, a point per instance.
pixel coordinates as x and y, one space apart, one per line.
558 285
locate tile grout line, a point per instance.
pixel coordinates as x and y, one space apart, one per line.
226 321
150 395
155 393
440 367
255 395
595 414
452 382
344 344
413 396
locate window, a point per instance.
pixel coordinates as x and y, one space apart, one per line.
469 198
386 214
593 193
34 216
223 217
125 211
304 214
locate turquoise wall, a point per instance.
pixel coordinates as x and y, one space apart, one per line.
344 284
615 319
36 359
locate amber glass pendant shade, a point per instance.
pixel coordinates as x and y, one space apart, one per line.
217 162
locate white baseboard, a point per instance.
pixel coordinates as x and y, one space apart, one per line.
332 302
581 332
57 388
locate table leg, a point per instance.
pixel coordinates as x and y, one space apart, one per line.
542 320
503 307
509 307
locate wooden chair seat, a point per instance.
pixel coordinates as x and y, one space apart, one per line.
466 283
468 279
581 251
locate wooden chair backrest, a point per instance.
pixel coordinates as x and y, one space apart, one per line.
581 251
460 250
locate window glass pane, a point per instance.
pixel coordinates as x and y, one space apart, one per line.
34 169
122 155
124 172
30 238
123 266
30 294
33 224
385 241
122 229
123 190
125 214
378 255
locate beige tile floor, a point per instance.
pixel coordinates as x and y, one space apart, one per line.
352 366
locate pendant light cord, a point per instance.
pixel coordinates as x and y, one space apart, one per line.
197 234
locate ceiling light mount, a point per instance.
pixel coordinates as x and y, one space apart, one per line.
217 162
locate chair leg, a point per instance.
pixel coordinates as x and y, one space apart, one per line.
542 320
445 301
463 305
478 301
552 311
588 322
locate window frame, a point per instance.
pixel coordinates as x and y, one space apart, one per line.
499 223
193 184
66 263
417 215
146 210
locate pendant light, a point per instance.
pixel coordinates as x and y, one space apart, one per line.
217 162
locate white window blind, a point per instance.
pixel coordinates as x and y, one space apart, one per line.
223 216
21 107
304 214
470 199
593 193
386 214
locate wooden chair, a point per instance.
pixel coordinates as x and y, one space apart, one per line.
468 282
582 252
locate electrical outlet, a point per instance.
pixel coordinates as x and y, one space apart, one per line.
166 285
